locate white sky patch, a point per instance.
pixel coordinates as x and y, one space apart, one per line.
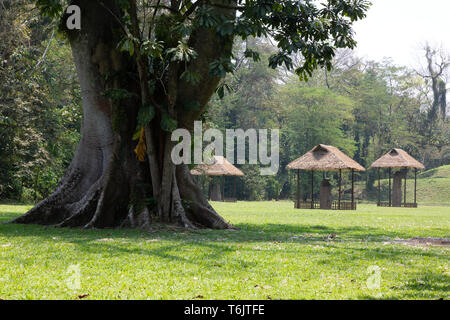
398 28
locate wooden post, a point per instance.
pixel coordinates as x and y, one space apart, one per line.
203 180
353 188
379 188
209 189
415 186
340 182
223 188
312 189
234 188
389 187
404 189
298 189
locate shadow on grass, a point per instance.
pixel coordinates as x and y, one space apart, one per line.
268 232
216 249
354 242
425 285
171 243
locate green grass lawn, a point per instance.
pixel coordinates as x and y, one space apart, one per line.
277 253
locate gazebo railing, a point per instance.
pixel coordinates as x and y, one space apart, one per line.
404 205
307 204
345 205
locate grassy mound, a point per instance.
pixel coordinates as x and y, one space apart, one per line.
433 187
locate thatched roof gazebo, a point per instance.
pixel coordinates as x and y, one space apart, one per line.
325 158
397 159
220 167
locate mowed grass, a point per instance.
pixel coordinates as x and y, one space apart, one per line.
277 253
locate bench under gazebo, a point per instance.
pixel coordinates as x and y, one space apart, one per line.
325 158
401 160
221 167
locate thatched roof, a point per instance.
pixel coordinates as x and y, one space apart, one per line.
397 158
325 158
220 167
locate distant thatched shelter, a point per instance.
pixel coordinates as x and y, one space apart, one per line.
220 167
397 159
325 158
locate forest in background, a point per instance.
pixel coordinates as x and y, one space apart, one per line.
362 107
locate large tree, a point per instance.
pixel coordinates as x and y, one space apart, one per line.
435 74
148 67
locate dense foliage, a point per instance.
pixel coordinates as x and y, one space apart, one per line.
40 112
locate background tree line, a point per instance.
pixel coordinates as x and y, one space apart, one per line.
362 107
40 112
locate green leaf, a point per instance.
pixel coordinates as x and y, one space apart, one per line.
226 29
219 68
152 48
182 52
221 90
206 18
145 115
252 54
127 44
137 134
190 77
167 123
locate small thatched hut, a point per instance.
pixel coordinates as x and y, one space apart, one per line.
325 158
220 167
397 159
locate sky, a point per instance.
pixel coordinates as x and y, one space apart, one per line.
397 28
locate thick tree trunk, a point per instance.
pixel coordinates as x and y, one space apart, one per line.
106 186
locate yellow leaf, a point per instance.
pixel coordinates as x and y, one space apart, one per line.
141 147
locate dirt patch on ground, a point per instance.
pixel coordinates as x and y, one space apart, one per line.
424 241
